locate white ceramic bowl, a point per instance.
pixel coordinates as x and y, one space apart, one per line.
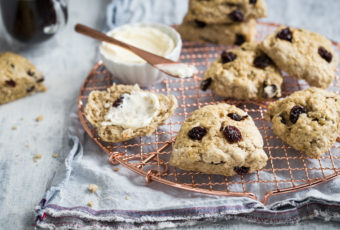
143 74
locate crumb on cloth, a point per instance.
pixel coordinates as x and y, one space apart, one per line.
39 118
36 157
92 188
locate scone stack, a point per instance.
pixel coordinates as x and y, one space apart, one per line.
228 22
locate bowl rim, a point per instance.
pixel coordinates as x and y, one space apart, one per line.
175 36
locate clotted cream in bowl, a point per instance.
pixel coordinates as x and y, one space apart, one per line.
128 67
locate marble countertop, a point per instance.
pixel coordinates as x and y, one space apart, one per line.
65 61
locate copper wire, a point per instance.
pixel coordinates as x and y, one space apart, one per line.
154 165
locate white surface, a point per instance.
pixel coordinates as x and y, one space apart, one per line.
65 61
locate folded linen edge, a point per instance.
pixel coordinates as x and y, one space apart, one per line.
306 211
76 151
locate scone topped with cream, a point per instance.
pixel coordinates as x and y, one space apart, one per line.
302 54
243 73
219 139
123 112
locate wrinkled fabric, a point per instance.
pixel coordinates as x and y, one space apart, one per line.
124 200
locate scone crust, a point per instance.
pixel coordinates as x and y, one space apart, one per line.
300 57
217 11
315 131
213 154
96 109
240 78
18 77
231 34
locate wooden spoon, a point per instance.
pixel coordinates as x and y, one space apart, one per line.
172 68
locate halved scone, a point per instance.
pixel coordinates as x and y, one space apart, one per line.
123 112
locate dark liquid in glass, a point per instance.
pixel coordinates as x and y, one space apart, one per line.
26 20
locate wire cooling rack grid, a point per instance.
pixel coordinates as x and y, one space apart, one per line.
287 170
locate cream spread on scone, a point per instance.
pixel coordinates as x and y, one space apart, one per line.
136 110
147 38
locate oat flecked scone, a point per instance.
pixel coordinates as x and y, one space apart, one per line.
219 139
18 78
225 11
233 34
302 54
243 73
308 120
99 103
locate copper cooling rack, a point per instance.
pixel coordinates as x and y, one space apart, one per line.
287 170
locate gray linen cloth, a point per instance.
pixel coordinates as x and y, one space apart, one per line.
124 200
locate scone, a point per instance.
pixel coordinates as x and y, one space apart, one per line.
303 54
308 120
18 77
243 73
219 139
123 112
233 34
225 11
